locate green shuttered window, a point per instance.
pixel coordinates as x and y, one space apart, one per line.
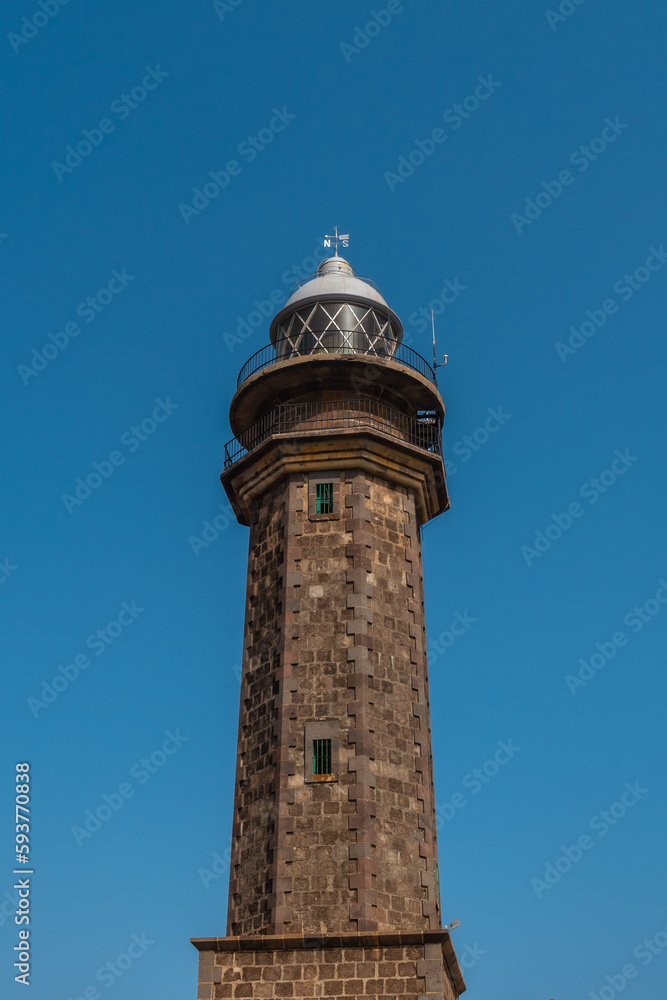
322 757
324 498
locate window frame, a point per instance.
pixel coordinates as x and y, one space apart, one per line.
321 729
332 478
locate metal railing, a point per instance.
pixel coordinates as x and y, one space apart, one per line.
422 431
379 347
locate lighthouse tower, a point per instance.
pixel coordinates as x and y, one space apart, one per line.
336 462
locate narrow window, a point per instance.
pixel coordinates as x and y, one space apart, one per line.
324 498
321 746
322 757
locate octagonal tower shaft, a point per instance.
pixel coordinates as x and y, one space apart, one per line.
334 649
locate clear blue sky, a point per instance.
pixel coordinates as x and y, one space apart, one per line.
577 96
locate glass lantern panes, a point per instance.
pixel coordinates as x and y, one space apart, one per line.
335 327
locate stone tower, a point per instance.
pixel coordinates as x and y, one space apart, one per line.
335 465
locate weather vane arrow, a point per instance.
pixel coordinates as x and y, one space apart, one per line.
343 240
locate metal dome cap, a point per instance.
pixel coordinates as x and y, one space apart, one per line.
335 282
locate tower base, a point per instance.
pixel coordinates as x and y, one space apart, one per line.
365 966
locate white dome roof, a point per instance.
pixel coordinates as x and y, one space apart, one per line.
335 280
335 277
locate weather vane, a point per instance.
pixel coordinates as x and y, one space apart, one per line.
343 240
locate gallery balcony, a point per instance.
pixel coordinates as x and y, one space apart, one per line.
336 343
299 420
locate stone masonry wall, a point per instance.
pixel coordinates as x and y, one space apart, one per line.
374 972
334 630
253 819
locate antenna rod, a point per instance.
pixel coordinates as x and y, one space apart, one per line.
435 363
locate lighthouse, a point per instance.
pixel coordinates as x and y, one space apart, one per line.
335 464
